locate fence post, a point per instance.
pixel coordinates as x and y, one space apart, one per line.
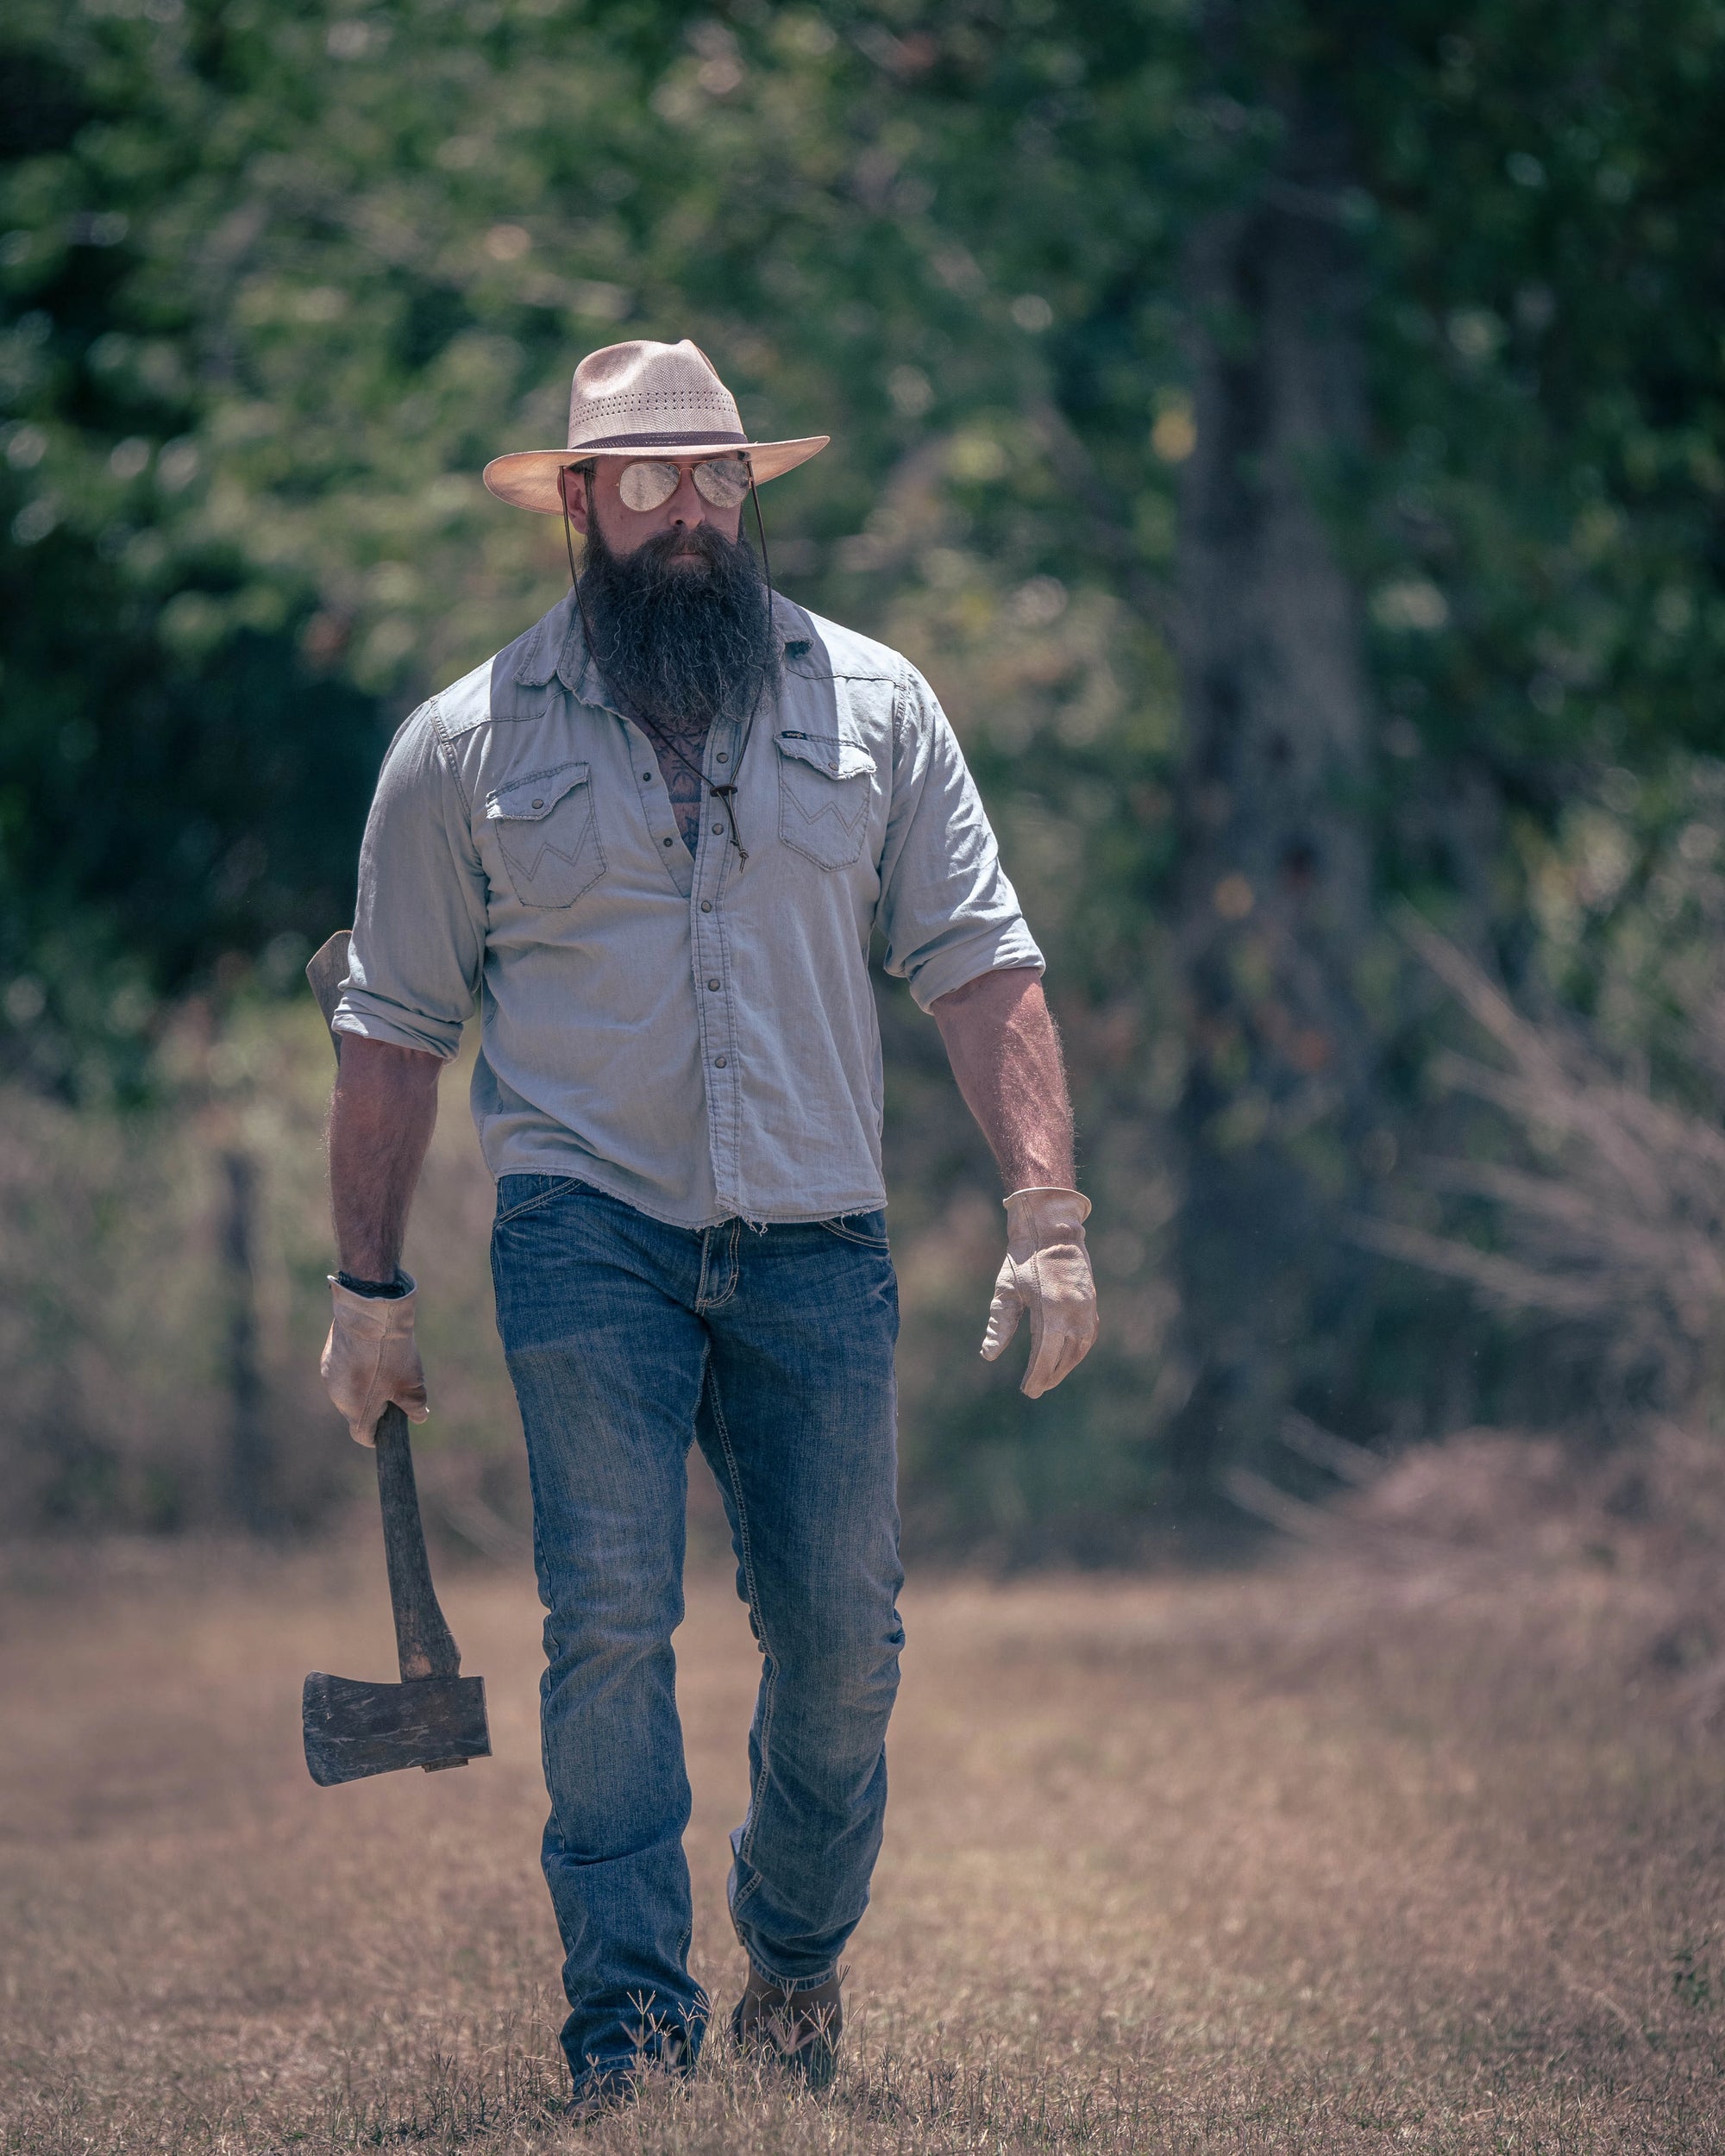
250 1467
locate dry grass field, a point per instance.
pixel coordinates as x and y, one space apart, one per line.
1314 1859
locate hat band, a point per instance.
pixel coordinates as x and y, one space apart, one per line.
660 441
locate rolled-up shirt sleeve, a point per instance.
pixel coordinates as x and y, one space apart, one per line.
419 922
948 911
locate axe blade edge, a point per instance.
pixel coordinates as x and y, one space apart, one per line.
353 1728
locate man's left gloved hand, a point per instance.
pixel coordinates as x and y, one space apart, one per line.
1047 1273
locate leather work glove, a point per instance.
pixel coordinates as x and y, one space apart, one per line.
1047 1273
370 1359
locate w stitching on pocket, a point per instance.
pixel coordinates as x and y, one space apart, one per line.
549 842
823 807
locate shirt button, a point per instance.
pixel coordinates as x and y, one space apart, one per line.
712 984
718 1062
722 758
717 829
539 805
707 906
668 842
648 776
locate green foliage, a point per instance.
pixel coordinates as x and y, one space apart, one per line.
1546 477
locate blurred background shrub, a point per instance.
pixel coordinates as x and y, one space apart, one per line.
1289 433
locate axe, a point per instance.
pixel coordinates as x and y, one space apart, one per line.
435 1717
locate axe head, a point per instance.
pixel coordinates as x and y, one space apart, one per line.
353 1728
326 973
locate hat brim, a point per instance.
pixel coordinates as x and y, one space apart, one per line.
527 479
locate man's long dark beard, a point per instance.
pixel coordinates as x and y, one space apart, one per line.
680 645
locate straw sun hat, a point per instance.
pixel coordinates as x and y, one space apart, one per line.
641 398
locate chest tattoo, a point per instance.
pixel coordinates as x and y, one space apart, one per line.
685 786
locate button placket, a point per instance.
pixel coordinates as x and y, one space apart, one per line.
664 840
714 862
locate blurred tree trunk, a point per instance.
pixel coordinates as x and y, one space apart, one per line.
1274 902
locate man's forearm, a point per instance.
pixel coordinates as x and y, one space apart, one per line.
1005 1053
381 1117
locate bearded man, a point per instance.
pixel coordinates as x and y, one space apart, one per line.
652 839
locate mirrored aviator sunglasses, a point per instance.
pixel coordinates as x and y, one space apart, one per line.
722 482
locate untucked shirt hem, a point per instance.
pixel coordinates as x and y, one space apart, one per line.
754 1216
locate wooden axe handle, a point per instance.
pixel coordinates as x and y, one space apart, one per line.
423 1642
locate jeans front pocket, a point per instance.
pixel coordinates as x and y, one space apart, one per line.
867 1230
548 835
825 786
518 1194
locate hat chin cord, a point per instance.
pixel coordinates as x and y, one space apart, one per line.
724 795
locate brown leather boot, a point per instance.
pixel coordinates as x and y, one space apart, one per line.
797 2029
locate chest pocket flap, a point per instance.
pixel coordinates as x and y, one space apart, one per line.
836 757
825 784
548 835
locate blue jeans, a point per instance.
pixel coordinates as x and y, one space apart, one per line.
626 1339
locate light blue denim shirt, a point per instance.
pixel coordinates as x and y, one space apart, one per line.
696 1036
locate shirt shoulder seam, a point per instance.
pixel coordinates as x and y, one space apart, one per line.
452 762
901 684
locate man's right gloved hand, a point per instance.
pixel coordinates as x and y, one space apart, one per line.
370 1359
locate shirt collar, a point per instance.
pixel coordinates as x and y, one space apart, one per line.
553 649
